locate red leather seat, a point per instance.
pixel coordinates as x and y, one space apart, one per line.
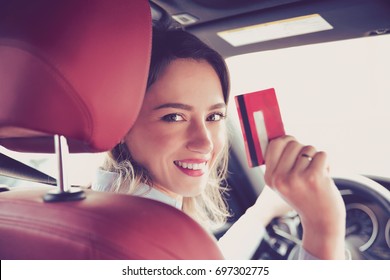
79 69
102 226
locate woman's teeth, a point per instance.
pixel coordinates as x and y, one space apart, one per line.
192 166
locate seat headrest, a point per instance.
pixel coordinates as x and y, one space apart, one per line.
73 68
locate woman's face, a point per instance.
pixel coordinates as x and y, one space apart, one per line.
181 131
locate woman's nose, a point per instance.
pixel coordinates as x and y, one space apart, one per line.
199 138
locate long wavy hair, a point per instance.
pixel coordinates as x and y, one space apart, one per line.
208 208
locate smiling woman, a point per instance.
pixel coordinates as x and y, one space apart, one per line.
171 139
178 144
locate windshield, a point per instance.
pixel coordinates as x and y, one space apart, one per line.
332 95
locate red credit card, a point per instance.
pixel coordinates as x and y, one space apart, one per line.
260 121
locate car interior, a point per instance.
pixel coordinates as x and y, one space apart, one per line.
69 70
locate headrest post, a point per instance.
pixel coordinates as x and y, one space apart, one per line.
62 151
64 192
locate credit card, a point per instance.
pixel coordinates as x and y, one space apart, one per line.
260 122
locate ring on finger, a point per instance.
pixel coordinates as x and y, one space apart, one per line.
309 158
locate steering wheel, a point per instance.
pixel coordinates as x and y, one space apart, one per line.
283 238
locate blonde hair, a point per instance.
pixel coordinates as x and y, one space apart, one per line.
208 208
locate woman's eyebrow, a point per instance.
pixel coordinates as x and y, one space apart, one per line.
188 107
218 106
174 105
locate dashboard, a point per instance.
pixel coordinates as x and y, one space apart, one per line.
367 228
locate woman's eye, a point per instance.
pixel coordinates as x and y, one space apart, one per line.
216 117
172 118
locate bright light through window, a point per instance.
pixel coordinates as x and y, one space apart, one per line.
335 96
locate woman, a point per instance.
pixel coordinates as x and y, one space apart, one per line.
177 153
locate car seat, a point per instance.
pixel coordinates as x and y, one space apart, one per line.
72 78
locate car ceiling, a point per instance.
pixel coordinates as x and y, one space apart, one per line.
205 18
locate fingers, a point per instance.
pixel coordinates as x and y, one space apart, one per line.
273 154
286 158
320 162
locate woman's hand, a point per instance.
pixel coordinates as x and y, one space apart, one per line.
300 175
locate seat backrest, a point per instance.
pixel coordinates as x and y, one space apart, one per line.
79 69
103 226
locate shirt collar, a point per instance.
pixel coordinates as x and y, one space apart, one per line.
104 179
144 190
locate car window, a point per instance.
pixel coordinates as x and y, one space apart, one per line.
80 168
333 95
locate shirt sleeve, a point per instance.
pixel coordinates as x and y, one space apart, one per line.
304 255
243 237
